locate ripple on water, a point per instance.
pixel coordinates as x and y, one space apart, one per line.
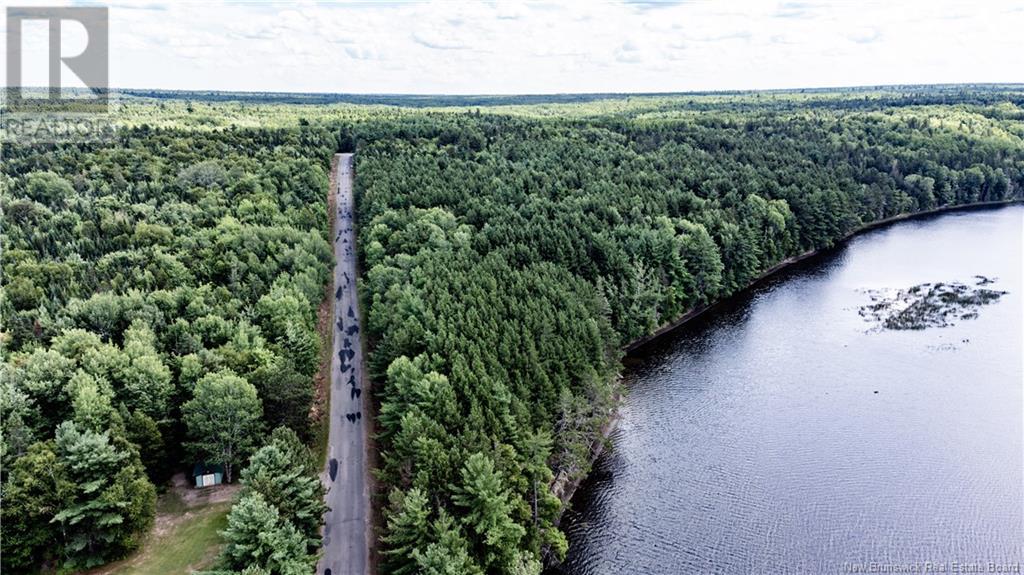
755 441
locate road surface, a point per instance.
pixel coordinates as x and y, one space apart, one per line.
346 526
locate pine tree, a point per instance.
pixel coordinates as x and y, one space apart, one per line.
487 508
448 554
408 530
256 535
284 483
111 502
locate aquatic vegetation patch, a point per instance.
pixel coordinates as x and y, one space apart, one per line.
929 305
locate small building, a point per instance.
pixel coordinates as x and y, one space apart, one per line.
207 475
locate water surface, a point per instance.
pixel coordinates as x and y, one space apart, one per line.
782 435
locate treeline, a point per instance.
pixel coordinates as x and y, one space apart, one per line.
159 309
405 101
507 259
867 97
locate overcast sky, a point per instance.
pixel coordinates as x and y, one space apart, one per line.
467 47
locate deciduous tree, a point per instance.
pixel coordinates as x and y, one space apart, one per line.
223 419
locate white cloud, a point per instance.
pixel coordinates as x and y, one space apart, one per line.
628 53
437 41
865 35
533 47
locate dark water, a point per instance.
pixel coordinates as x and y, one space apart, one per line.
753 441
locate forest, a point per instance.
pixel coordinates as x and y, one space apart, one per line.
159 308
508 260
160 294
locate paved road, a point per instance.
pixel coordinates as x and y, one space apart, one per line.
346 528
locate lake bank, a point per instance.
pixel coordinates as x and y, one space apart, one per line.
791 261
783 431
565 488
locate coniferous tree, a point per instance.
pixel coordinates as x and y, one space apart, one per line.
408 531
257 536
283 479
110 502
487 506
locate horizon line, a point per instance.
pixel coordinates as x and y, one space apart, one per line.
735 91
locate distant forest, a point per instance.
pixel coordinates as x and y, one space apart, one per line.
510 248
844 98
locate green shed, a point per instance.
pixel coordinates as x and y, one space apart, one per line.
206 475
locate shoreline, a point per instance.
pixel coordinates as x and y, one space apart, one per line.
694 313
565 489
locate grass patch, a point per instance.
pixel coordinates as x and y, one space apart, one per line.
171 503
191 543
323 430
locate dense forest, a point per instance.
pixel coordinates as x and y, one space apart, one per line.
508 259
160 293
159 309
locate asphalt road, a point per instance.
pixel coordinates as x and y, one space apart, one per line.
346 527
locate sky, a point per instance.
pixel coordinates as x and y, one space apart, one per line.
463 47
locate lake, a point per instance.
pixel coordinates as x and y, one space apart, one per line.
785 433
